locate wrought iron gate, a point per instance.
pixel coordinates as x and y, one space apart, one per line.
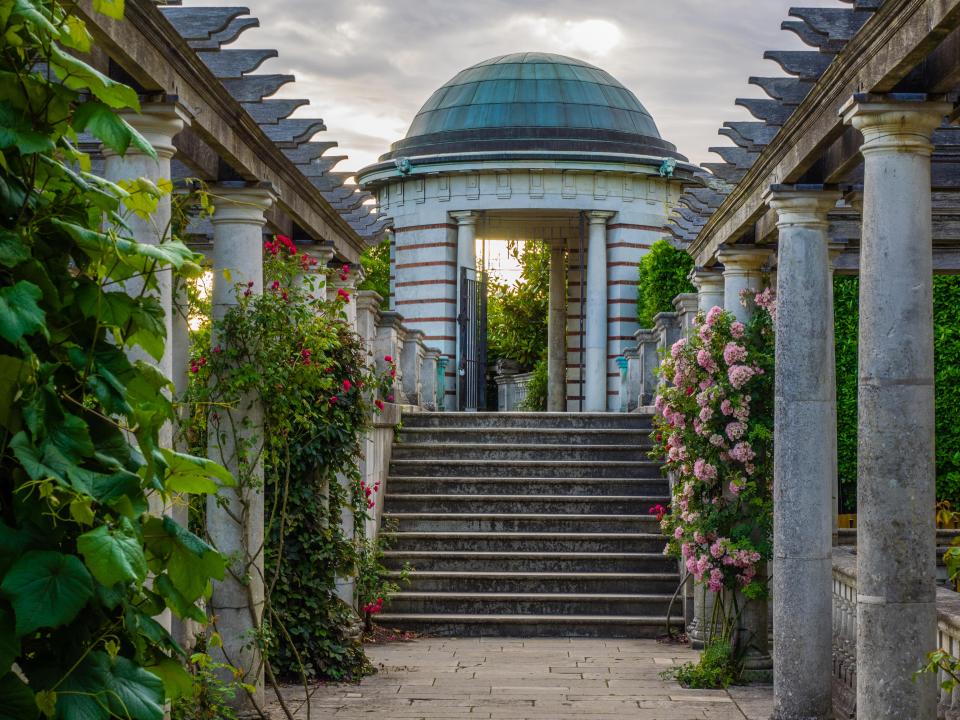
472 373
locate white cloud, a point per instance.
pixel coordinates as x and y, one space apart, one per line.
593 37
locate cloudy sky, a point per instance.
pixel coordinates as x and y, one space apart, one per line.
368 65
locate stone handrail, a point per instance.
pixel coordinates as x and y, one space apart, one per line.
845 637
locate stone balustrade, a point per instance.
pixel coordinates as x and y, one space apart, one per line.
845 638
512 390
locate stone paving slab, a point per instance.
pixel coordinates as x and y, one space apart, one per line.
526 679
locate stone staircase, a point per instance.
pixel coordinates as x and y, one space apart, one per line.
528 524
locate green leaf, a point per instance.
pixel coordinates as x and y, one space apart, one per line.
46 589
9 642
12 249
177 682
175 600
194 475
110 8
29 12
19 313
191 563
134 692
14 372
113 555
107 125
16 132
16 699
47 702
77 75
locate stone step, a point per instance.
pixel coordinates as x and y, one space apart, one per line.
540 504
458 603
526 486
588 421
470 561
518 522
539 582
518 452
527 542
544 468
532 435
588 626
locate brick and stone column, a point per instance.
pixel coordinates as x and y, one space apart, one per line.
557 332
710 288
574 317
804 446
595 323
896 547
236 437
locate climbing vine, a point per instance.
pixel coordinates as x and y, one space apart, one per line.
291 352
88 560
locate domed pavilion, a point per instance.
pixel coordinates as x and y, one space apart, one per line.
528 146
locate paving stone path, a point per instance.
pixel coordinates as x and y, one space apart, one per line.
535 679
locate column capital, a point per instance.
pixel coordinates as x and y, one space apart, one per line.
895 122
738 259
706 278
158 123
241 203
323 254
600 217
465 217
798 206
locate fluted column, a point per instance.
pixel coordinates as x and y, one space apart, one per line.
557 332
804 446
742 272
595 323
710 288
896 548
235 438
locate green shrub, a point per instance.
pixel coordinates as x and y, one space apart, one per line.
375 262
663 275
717 668
536 399
946 320
517 314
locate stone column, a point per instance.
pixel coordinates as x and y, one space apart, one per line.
595 322
834 251
557 332
466 258
710 287
316 276
235 440
896 548
741 271
803 463
158 123
392 300
686 306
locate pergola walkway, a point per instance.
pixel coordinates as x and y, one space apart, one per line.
548 679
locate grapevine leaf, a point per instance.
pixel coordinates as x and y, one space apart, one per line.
18 701
110 8
104 123
176 681
194 475
19 313
12 249
113 555
77 75
46 589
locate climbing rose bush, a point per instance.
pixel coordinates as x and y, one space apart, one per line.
714 429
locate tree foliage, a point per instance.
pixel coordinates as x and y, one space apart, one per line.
662 276
80 419
517 314
376 269
946 345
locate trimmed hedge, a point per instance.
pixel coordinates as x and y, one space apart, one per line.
946 319
663 275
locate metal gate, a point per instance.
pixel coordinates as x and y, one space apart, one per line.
472 373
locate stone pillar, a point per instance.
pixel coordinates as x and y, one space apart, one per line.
834 251
896 547
316 276
412 358
686 306
557 332
428 379
466 258
742 271
368 315
710 287
649 361
354 276
804 440
158 123
392 300
595 323
633 386
237 529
